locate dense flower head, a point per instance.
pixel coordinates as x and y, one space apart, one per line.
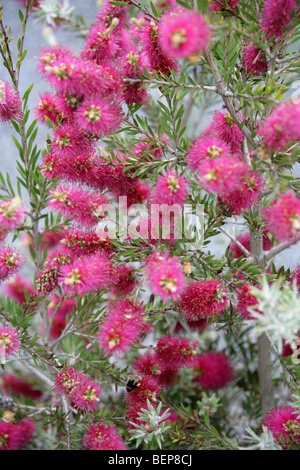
20 386
276 16
49 55
158 59
76 203
206 147
83 392
254 60
170 189
86 274
213 370
224 127
98 117
12 213
123 280
284 423
69 141
108 12
136 400
10 262
103 437
15 288
132 66
47 279
9 341
77 243
174 352
282 217
220 5
15 436
165 276
102 42
245 195
138 193
203 299
148 364
222 175
79 168
47 106
10 103
183 34
235 251
122 327
282 126
246 300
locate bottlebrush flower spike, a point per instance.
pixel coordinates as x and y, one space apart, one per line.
86 274
282 217
132 67
69 141
282 126
183 34
77 168
9 341
102 42
246 300
137 398
158 59
58 309
254 60
165 276
10 262
206 147
12 213
221 5
174 352
123 280
224 127
148 364
48 106
284 423
213 370
122 327
77 204
10 438
204 299
276 16
98 116
222 175
19 386
170 189
10 103
47 279
77 243
103 437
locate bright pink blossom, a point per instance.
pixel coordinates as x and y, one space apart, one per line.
254 60
282 217
284 423
12 213
204 299
221 6
98 116
20 386
224 127
10 103
15 288
246 300
103 437
206 147
47 106
9 341
276 16
173 352
222 175
170 189
10 262
213 370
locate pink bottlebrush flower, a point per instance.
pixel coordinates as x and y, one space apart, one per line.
87 395
111 177
213 370
10 262
222 175
50 239
122 327
244 239
59 309
276 16
245 196
221 6
15 288
282 217
9 341
132 67
26 429
174 352
138 193
183 34
19 386
206 147
170 189
47 106
246 300
79 168
103 437
47 279
67 381
136 400
204 299
12 213
10 103
282 127
108 12
284 423
159 61
10 437
98 116
224 127
165 276
194 325
102 42
50 55
123 280
77 204
87 274
77 243
254 60
66 105
148 364
69 141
